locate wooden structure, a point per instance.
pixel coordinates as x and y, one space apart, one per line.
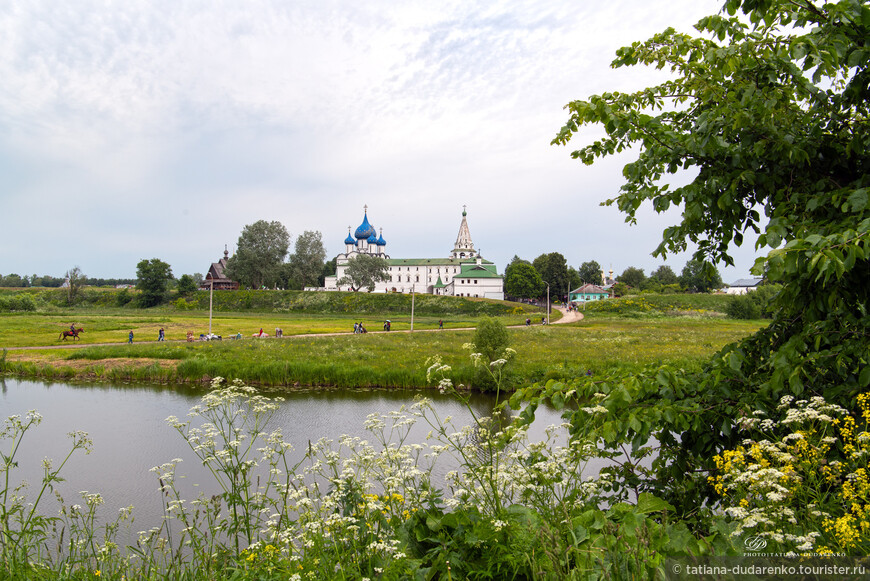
216 277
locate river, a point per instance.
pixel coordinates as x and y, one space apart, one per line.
130 435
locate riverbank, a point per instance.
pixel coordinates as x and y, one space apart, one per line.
390 359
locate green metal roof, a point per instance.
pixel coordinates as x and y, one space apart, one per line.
433 261
485 270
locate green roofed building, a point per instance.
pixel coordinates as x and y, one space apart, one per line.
463 273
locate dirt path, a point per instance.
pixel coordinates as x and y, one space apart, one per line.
568 316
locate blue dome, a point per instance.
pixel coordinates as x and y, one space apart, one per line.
365 229
349 239
373 239
381 241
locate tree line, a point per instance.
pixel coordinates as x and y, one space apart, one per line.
14 280
261 261
529 280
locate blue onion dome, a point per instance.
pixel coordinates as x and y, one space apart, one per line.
373 239
381 241
365 229
349 239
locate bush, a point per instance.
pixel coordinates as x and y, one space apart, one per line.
491 338
123 298
18 302
754 305
743 307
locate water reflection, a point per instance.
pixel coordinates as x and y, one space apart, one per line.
130 435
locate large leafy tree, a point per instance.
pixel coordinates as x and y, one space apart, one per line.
153 278
700 276
308 258
767 114
522 281
186 285
664 274
553 269
590 272
632 276
364 271
261 250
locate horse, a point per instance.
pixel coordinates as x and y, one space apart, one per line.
74 334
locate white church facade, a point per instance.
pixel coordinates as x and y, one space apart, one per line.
464 273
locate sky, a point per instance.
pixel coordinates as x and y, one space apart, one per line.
133 129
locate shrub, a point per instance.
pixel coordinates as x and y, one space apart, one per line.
491 338
757 304
21 302
743 307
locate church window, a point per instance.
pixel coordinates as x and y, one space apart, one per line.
475 282
417 278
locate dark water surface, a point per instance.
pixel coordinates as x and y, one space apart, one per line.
130 435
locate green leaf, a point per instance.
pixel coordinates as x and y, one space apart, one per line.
859 200
647 503
580 534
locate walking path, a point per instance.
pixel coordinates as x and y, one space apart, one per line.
567 317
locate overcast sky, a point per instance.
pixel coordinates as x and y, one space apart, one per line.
159 129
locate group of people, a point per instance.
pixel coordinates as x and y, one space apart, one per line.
357 328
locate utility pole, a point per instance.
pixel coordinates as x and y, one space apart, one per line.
210 294
548 302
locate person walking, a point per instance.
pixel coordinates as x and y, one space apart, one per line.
161 335
440 324
130 337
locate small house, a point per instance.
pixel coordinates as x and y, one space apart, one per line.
743 286
587 292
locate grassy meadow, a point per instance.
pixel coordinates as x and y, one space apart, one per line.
319 349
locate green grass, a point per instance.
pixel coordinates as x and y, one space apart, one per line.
246 312
700 304
395 359
34 329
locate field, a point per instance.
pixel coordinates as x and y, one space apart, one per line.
318 349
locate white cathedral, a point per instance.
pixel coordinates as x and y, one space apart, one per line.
463 274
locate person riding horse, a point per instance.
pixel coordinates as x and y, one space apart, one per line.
73 332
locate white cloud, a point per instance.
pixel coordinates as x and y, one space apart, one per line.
162 128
